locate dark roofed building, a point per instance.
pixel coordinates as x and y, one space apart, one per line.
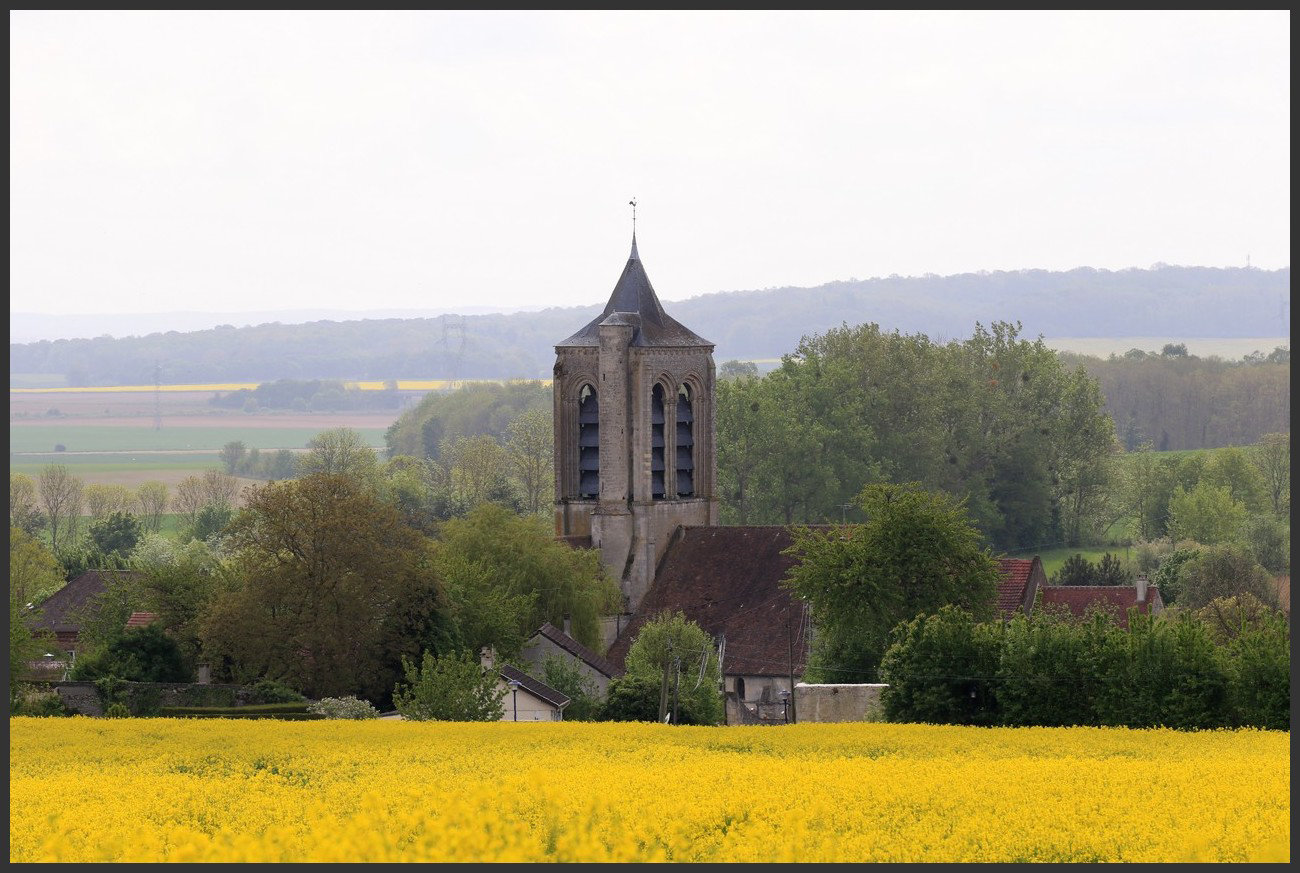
1018 582
728 581
1117 600
61 612
526 698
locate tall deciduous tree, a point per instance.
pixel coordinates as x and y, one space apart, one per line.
531 449
61 496
189 498
1206 513
23 511
219 489
1273 459
342 452
335 590
916 552
151 500
103 499
231 454
34 572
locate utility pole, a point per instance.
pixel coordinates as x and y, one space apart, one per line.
677 681
663 687
789 636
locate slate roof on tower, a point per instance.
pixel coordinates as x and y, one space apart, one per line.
635 294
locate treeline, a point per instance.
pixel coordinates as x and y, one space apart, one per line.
1162 301
314 395
1179 401
1228 665
996 419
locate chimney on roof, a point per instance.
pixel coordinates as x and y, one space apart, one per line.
567 626
488 658
1141 589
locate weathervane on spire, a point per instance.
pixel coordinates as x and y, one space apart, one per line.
632 203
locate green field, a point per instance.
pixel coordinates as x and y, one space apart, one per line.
94 463
100 438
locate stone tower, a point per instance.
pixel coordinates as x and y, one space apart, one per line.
634 432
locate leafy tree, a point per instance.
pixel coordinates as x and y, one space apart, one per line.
493 556
340 452
1174 350
333 590
941 668
636 698
211 521
1272 457
23 511
736 369
25 644
915 553
1044 674
190 498
231 454
472 410
61 496
141 654
1259 664
1206 513
117 533
178 582
671 645
1231 468
102 500
566 677
531 449
478 469
1077 570
450 687
34 573
1269 540
1225 571
219 489
1168 576
151 499
1112 571
1227 618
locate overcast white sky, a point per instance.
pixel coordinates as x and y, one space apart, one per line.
252 161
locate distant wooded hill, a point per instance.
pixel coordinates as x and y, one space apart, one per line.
1183 302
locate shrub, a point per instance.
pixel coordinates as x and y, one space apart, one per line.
566 677
941 669
343 707
117 710
141 654
448 688
1259 661
39 703
271 691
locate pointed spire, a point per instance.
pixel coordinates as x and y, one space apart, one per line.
634 256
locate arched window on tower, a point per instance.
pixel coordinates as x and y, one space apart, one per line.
685 444
657 418
588 443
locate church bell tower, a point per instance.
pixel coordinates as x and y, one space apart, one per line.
634 432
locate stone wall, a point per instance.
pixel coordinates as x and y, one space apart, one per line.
144 698
838 703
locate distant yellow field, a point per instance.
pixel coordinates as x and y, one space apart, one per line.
402 385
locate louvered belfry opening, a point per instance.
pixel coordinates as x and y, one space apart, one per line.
588 442
657 419
685 444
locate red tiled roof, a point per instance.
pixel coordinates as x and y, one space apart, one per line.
140 619
1013 576
1115 599
577 649
727 579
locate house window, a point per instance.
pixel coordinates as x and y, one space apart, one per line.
685 444
588 443
657 419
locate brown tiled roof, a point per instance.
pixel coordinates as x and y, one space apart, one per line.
535 687
1115 599
140 619
577 649
727 579
59 611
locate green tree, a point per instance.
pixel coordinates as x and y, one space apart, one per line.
450 687
189 498
231 454
1269 540
1272 457
151 499
1228 570
1076 570
1259 664
531 449
117 533
341 451
103 499
564 675
211 521
141 654
333 591
671 645
478 468
915 553
495 562
23 511
34 572
1206 513
61 496
737 369
219 489
941 669
178 582
1231 468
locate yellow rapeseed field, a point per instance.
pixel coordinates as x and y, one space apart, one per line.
211 790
